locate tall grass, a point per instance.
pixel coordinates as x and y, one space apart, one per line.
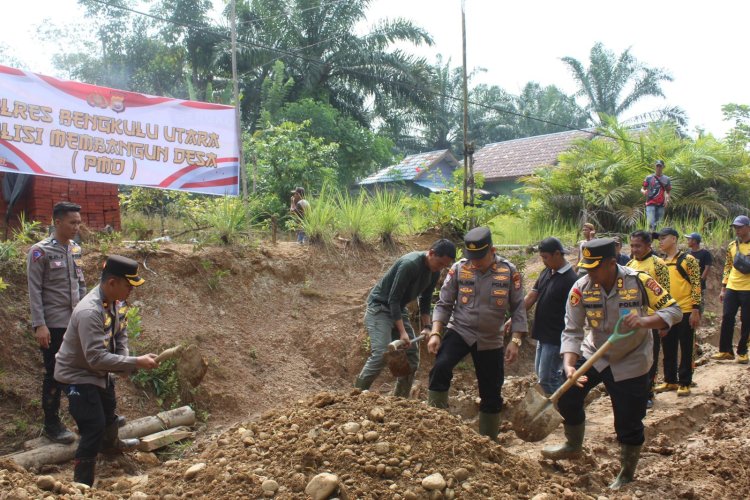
510 230
227 217
353 215
716 233
387 211
320 218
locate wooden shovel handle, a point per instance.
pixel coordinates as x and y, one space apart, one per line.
581 371
168 354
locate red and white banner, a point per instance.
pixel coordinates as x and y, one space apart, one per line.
78 131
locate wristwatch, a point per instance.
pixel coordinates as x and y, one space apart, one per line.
517 341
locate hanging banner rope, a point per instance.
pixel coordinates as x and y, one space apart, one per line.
84 132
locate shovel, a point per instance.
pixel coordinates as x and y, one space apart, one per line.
191 367
398 363
537 416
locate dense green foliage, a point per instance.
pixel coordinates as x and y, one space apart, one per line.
600 179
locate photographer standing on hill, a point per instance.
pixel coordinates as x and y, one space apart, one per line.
298 206
656 188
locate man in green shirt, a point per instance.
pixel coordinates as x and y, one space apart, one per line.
412 276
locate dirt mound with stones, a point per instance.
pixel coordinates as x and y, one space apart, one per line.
376 446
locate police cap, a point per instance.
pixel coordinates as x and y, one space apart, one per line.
595 251
123 267
478 242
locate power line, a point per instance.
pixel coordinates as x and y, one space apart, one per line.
318 63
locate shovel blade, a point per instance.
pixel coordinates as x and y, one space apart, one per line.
398 363
536 417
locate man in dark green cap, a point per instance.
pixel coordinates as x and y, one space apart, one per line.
412 276
474 299
607 293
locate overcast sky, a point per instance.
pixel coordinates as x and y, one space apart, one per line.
701 44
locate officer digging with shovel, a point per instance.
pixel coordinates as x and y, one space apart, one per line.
610 291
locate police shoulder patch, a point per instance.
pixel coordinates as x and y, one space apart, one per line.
653 285
575 297
36 254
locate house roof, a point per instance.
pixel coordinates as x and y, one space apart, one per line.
411 168
519 157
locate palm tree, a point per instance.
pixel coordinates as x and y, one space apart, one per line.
612 84
329 61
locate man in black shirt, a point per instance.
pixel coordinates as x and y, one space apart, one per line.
550 294
701 254
412 276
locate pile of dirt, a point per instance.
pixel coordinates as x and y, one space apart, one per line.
377 446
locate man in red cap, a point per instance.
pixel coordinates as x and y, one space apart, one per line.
94 346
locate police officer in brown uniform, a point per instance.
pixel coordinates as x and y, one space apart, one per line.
610 291
94 346
474 298
55 279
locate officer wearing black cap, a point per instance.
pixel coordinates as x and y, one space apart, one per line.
610 291
95 345
477 292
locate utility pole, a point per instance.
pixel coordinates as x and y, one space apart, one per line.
468 148
236 92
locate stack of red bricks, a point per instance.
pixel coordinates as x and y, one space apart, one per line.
100 205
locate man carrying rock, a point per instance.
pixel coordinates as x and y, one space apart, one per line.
56 284
386 319
474 298
607 293
96 344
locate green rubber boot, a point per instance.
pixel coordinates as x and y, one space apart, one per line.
438 399
362 384
403 386
629 456
489 424
573 446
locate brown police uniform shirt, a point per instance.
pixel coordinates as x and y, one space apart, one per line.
588 304
474 303
95 343
55 279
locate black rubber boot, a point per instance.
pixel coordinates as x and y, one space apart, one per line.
403 386
489 424
573 446
112 444
438 399
58 433
121 421
84 471
629 456
362 384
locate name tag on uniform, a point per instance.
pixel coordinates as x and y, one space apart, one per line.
57 264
